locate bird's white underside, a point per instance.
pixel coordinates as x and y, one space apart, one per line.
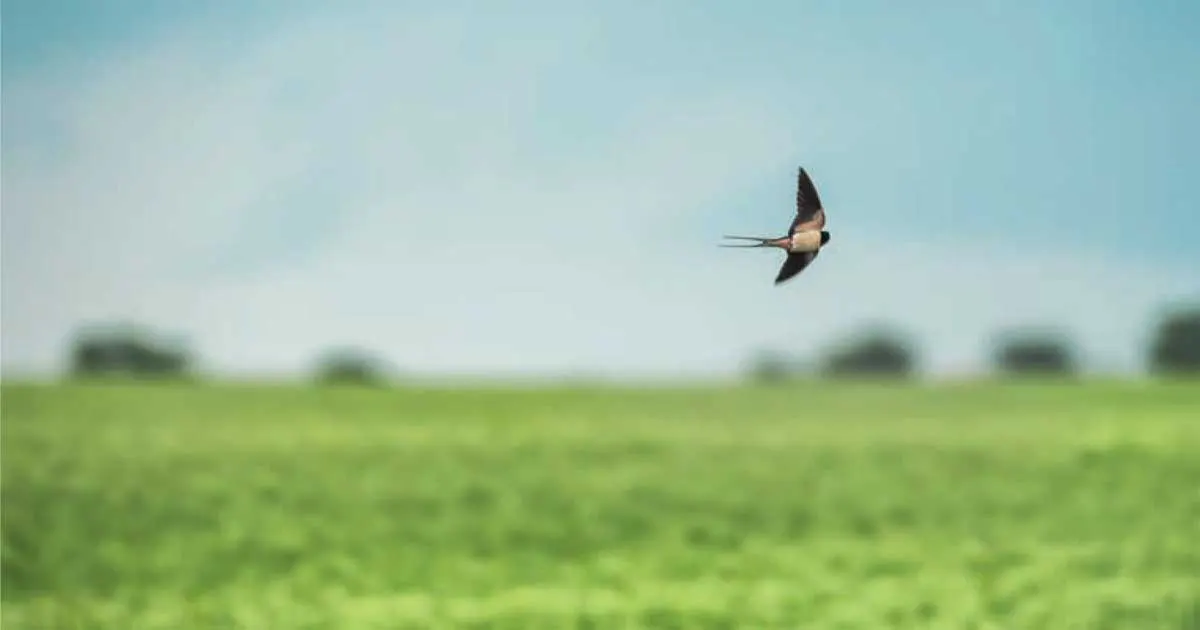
806 241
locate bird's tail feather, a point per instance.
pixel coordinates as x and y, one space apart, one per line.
762 242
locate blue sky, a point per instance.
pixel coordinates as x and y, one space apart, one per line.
534 187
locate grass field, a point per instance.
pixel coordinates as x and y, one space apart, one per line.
1020 507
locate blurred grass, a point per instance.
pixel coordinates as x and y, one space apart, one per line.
1025 505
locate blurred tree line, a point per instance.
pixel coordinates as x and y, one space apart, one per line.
1034 352
349 365
878 351
129 350
885 352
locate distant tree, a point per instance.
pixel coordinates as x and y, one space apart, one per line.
351 366
770 367
129 350
1032 352
1176 344
878 351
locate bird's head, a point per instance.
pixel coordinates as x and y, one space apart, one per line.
824 237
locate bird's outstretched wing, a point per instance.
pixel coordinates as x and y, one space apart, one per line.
809 213
794 264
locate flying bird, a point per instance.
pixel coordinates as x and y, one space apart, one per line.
806 236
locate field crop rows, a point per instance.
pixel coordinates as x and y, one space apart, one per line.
1019 506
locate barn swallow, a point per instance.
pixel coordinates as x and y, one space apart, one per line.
806 236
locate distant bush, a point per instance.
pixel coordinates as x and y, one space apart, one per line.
353 366
879 351
1176 344
771 367
1034 353
130 350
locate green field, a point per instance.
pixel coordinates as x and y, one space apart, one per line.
1014 507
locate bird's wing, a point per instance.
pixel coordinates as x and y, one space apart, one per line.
794 264
809 213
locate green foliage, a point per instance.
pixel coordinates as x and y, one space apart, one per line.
127 350
878 351
835 505
350 366
1176 345
1035 353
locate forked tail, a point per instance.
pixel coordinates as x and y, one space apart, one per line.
761 242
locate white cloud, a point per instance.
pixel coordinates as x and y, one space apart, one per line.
467 242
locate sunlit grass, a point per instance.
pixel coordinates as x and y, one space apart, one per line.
816 506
